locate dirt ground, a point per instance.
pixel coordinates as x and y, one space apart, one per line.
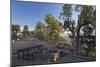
42 58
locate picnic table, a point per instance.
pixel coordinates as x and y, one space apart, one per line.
63 45
29 51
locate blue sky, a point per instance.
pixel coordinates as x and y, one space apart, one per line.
29 13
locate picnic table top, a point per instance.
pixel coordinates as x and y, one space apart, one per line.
36 46
65 43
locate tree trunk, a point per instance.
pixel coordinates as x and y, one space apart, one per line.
77 39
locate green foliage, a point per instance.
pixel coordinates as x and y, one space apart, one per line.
50 30
54 27
15 31
67 12
25 31
87 14
70 25
88 30
41 32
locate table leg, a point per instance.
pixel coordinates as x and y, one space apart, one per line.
18 56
